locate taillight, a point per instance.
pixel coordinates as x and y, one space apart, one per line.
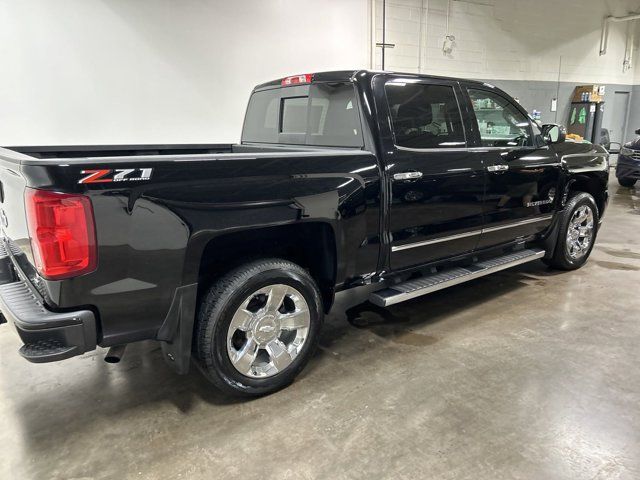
295 79
62 231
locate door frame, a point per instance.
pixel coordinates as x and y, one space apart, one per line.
625 127
388 149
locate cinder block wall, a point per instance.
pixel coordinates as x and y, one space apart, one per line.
534 50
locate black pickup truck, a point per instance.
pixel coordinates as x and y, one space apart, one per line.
230 255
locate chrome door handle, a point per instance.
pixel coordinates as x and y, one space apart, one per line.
497 168
407 176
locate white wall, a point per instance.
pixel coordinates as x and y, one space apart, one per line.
507 39
159 71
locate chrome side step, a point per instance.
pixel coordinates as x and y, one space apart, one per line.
453 276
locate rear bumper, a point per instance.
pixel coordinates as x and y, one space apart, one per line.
47 336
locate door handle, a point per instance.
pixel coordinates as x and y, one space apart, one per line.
407 176
497 168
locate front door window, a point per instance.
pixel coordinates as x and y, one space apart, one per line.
500 123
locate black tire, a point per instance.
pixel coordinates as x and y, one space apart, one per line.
626 182
216 311
561 259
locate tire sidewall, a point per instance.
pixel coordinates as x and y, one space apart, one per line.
218 361
576 202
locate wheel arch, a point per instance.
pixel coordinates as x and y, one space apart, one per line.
312 245
591 184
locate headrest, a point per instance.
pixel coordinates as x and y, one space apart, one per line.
421 114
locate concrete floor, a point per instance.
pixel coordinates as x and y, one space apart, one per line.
527 374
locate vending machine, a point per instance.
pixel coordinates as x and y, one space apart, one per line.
585 119
585 115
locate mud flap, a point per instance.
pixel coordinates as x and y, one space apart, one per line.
550 238
176 333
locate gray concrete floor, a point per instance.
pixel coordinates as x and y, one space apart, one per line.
527 374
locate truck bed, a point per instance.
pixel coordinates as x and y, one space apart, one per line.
170 201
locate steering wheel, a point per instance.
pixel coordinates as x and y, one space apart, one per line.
520 139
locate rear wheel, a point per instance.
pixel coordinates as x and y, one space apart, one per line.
577 233
626 182
258 326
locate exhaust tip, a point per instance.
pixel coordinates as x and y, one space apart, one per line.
115 353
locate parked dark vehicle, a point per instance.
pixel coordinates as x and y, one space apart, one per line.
232 254
628 167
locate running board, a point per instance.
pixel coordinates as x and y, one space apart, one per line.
453 276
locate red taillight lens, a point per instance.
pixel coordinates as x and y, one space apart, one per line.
62 231
296 79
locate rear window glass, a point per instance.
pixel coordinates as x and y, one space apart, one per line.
326 116
261 121
294 115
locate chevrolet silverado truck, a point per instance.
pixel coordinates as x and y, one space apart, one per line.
230 255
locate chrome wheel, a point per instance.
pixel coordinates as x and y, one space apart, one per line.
268 331
580 232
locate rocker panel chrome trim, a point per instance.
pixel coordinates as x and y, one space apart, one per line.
517 224
397 248
435 240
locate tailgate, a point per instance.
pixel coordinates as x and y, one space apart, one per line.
47 335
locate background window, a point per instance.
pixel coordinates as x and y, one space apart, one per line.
500 122
424 116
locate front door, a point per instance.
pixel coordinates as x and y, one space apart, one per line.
436 183
523 172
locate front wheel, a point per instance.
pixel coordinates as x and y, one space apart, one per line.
626 182
258 325
577 233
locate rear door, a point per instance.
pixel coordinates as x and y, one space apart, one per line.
523 172
436 183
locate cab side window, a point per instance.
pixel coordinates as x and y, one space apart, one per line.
500 122
424 116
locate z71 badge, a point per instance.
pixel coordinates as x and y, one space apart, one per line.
116 175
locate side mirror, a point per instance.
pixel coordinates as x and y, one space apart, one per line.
611 148
638 131
554 133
